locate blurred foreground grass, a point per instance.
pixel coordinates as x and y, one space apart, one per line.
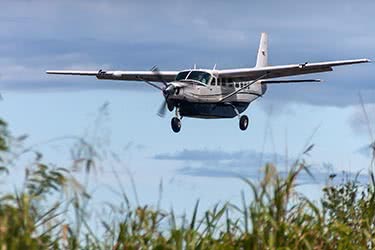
50 212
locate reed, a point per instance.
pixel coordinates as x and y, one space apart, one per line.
50 212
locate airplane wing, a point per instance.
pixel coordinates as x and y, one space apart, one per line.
267 72
289 81
152 76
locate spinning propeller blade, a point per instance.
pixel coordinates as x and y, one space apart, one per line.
166 90
156 70
162 109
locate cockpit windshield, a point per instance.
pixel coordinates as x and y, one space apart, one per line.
182 75
194 75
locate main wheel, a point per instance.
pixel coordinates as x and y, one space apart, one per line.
244 122
176 124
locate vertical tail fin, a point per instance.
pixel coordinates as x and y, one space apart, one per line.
262 58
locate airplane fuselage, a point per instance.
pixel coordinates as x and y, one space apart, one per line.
203 101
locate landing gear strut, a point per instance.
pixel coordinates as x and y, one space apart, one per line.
244 122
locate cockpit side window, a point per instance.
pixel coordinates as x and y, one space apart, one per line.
182 75
213 82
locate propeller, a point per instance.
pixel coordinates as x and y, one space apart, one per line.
162 108
156 70
167 90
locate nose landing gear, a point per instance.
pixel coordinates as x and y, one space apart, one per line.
176 121
176 124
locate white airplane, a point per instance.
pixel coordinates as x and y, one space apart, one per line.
213 93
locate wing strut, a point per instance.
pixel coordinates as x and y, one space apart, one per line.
245 86
150 83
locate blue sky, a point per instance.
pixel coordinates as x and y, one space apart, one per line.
201 160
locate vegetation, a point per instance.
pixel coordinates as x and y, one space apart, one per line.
50 212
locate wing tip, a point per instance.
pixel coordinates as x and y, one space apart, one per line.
51 72
364 60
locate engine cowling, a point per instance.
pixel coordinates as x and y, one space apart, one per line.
169 90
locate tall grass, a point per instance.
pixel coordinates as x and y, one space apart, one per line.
50 212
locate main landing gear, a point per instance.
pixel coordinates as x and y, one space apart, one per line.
244 122
176 122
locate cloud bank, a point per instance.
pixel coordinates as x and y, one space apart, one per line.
248 164
39 35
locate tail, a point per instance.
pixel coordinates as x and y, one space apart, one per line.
262 59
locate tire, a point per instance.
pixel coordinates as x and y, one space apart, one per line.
176 124
244 122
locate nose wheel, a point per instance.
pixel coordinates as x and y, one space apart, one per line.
244 122
176 124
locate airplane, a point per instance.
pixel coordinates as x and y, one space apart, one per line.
214 93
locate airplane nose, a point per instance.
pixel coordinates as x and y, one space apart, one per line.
169 90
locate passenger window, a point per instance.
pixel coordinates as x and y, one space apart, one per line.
237 85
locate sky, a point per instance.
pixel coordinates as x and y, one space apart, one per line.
206 158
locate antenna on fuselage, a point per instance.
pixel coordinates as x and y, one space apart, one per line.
195 66
214 67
